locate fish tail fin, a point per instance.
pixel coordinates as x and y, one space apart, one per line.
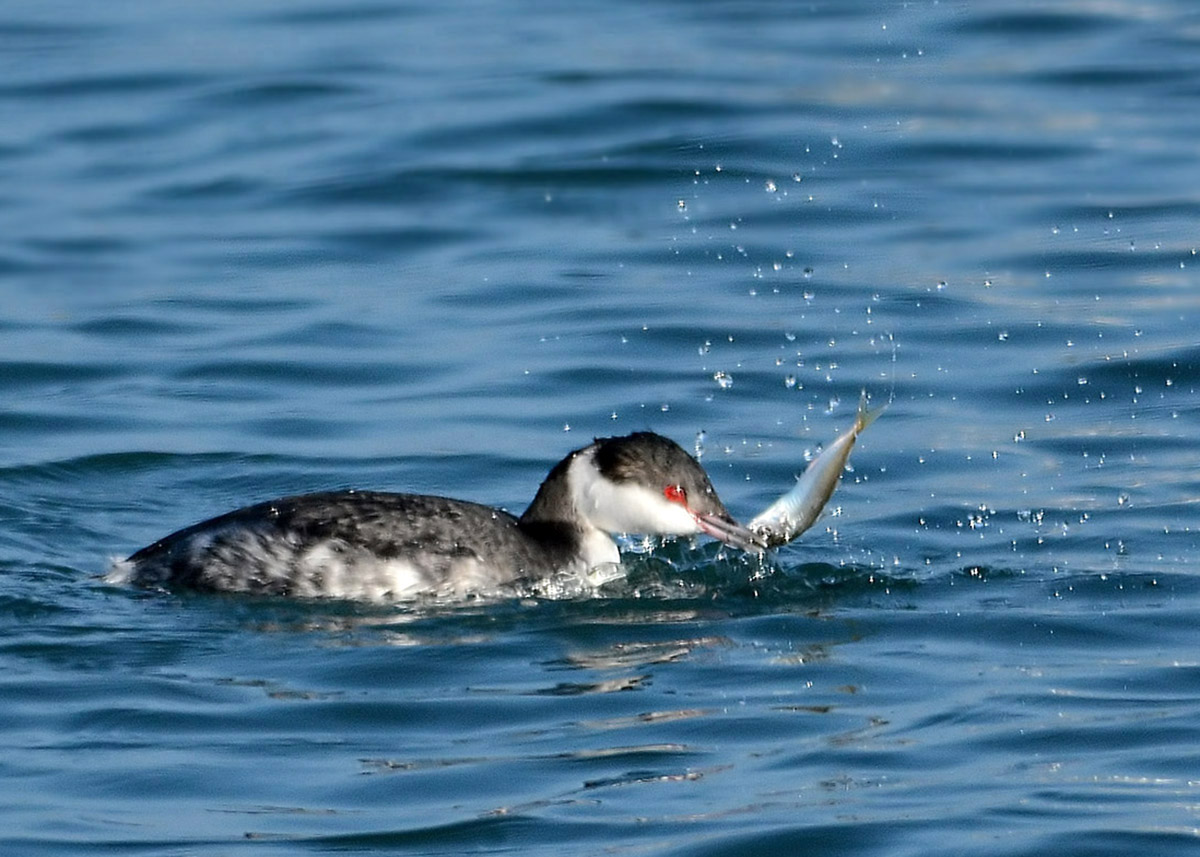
866 414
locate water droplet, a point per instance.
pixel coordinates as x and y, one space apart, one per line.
770 187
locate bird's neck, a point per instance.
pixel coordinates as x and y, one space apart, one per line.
555 520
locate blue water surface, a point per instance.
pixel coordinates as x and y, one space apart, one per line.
253 249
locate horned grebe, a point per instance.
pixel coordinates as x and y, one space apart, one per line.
382 546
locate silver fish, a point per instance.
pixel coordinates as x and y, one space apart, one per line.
798 509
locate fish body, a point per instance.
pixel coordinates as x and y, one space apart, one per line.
798 509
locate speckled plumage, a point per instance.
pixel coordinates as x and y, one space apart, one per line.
392 543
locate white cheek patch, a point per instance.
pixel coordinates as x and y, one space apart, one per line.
625 507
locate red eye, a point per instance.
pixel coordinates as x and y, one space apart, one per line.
675 494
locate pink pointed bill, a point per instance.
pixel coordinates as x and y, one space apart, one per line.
731 533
